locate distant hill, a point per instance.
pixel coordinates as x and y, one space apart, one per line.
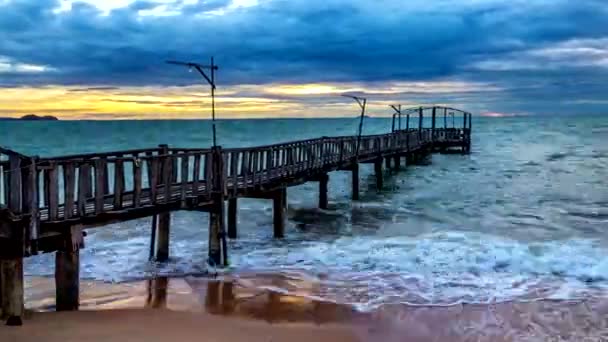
33 117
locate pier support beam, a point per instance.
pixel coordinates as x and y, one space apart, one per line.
397 162
11 271
216 224
355 182
161 232
232 218
279 200
387 162
67 280
378 172
323 181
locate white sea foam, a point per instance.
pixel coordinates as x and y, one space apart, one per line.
442 268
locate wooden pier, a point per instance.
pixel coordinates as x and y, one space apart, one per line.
47 203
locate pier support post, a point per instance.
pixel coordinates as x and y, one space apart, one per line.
218 249
355 182
67 280
387 162
397 162
278 213
323 202
12 290
162 231
232 218
378 172
216 222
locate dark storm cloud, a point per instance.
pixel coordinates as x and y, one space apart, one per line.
306 41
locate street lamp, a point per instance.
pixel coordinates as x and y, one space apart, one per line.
362 103
210 79
397 112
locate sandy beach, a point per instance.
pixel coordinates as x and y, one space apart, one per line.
196 309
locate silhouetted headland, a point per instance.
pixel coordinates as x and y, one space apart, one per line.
32 117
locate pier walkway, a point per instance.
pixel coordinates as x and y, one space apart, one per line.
46 203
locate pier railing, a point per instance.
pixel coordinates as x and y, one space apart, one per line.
71 187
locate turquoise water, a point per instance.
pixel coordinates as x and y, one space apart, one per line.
522 217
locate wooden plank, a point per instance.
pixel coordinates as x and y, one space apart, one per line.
196 174
255 166
245 168
84 187
137 183
14 175
234 171
174 169
153 169
69 184
100 186
53 187
119 183
224 176
208 172
185 163
167 177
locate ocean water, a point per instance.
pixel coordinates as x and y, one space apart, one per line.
523 217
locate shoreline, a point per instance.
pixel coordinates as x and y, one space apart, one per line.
191 308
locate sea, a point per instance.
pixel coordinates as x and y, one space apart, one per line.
523 217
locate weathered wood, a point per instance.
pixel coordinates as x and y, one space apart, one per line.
185 161
278 213
67 280
196 171
355 181
234 163
100 186
153 170
119 184
323 202
218 254
14 184
137 183
163 229
69 185
245 168
378 174
167 177
84 188
53 186
397 162
232 218
11 276
433 122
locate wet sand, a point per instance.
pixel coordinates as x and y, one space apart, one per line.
196 309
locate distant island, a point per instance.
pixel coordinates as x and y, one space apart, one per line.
33 117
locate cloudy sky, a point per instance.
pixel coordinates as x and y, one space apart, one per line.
105 59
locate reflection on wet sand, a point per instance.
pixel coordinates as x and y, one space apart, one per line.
583 320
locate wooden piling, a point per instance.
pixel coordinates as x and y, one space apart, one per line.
216 221
355 181
162 232
397 162
67 280
218 254
232 218
387 162
323 202
378 172
278 213
434 122
12 290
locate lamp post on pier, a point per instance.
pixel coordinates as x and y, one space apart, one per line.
362 103
210 79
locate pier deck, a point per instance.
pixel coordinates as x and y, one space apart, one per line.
46 203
